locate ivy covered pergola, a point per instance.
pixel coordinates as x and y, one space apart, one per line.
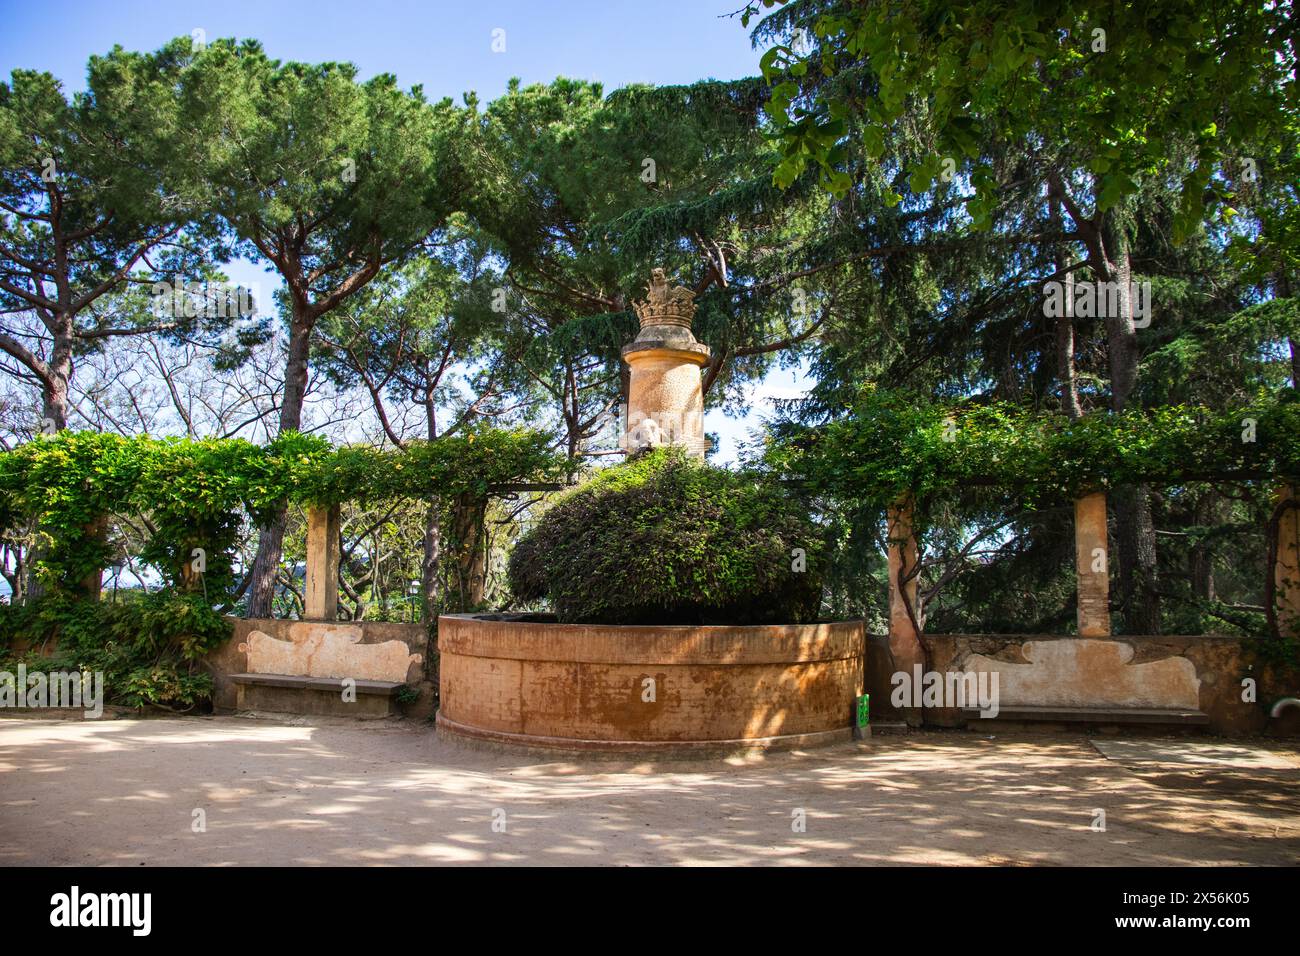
902 455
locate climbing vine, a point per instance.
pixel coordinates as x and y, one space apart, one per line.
892 445
194 493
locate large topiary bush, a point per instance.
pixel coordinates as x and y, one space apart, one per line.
665 539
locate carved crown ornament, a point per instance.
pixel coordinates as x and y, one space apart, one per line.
665 304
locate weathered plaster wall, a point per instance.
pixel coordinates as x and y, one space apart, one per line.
317 649
1198 672
569 681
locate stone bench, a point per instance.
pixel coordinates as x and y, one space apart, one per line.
1092 715
290 693
305 667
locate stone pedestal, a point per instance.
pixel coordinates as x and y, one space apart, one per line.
665 401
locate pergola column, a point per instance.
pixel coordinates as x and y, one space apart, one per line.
1091 564
1286 569
904 633
321 589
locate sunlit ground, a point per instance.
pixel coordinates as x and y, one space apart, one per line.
317 791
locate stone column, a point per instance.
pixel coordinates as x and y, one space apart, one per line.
665 400
1286 571
321 590
905 645
1091 565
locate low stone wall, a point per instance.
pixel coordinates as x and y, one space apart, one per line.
363 650
1202 673
580 687
646 688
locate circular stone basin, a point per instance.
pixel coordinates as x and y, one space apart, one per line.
618 688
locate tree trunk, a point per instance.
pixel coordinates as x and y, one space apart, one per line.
17 578
471 564
270 545
92 585
1121 336
1065 330
1135 531
1201 559
56 382
295 370
571 411
1283 283
1282 567
1065 358
430 579
54 393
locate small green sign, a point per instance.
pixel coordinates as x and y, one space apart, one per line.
864 710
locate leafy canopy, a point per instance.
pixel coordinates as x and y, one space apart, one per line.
1129 86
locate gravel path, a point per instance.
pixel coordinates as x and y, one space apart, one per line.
316 791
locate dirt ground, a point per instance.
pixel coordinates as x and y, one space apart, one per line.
315 791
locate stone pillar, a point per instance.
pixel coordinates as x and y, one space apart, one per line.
665 399
905 645
321 590
1286 570
1091 565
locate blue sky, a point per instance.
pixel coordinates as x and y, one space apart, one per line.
445 47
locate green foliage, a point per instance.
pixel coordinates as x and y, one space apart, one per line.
194 492
64 483
323 175
893 446
1131 88
97 206
583 193
150 649
665 539
89 177
1283 655
194 495
468 463
526 570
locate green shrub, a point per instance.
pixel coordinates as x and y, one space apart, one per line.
150 649
527 581
665 539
